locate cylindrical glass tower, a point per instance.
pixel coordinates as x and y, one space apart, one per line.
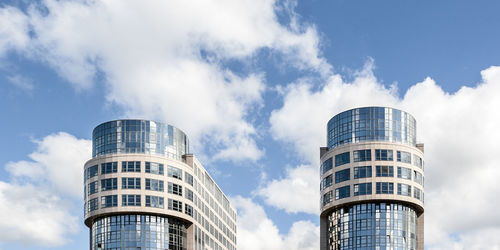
144 190
372 181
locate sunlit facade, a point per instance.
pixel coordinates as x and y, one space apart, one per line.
372 181
145 190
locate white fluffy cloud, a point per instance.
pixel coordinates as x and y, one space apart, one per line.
41 203
257 232
166 59
459 130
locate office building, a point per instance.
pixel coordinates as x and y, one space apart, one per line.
145 190
372 181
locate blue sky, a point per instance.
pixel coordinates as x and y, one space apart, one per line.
252 83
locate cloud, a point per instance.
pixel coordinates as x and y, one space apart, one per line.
302 182
14 31
461 144
41 203
257 232
22 82
170 60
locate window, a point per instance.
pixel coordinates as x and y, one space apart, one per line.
327 165
417 177
403 156
342 192
189 194
174 189
342 159
109 201
327 181
362 189
93 188
188 178
109 184
154 168
155 185
188 210
404 189
109 167
385 188
417 161
131 200
404 173
174 172
383 155
93 204
362 155
342 175
385 171
362 172
131 166
327 197
92 171
417 193
131 183
154 201
175 205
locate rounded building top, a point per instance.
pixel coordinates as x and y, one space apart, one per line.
371 124
139 136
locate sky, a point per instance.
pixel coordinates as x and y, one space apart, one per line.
252 83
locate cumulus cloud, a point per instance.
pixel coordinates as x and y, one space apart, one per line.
168 60
459 130
41 203
257 232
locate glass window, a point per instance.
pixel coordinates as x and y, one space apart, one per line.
155 185
93 188
327 197
327 165
404 189
175 205
417 177
417 193
404 173
131 200
385 171
342 159
385 188
154 168
342 175
131 166
92 171
131 183
362 155
188 178
154 201
189 194
383 155
188 210
362 189
342 192
174 172
109 167
362 172
109 201
327 181
403 156
93 204
109 184
417 161
174 189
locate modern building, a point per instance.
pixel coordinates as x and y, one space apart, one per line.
145 190
372 181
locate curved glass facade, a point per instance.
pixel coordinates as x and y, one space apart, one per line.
371 124
138 232
373 226
139 136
